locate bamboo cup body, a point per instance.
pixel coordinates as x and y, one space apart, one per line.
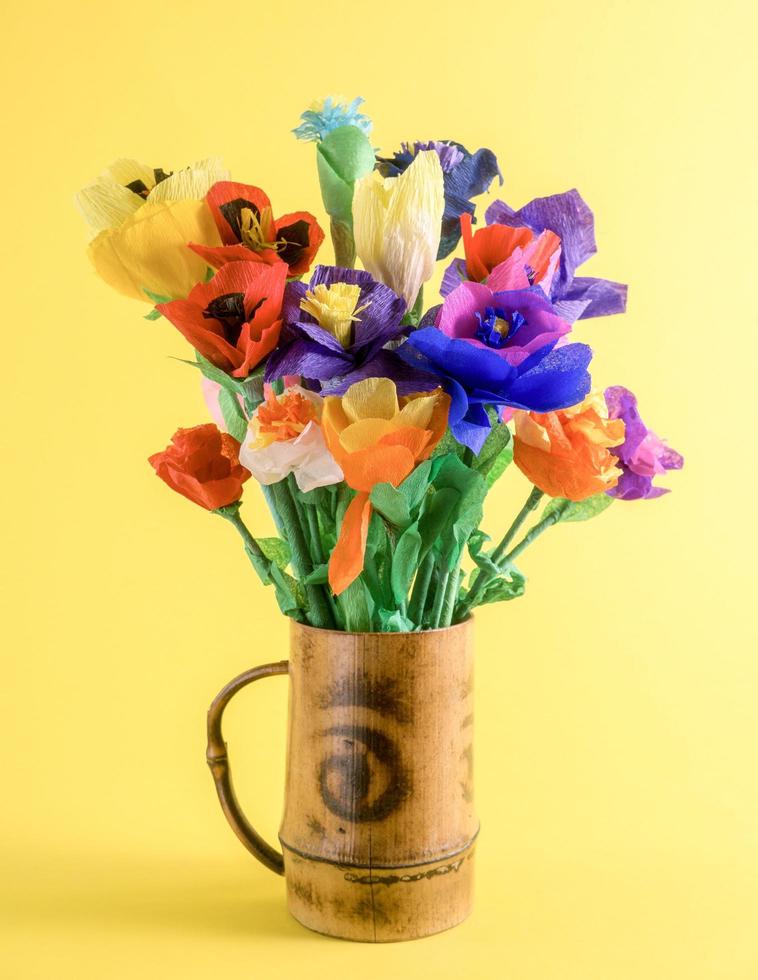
379 823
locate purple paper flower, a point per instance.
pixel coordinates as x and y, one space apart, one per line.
569 217
335 329
642 456
465 175
499 349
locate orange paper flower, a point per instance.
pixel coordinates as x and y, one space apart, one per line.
375 439
202 464
565 453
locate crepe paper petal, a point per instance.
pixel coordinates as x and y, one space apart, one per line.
306 358
107 201
397 224
148 250
472 430
346 562
203 465
567 215
223 254
559 380
600 296
190 183
642 455
384 364
375 398
453 276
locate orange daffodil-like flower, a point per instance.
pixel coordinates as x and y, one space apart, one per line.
142 219
376 439
566 453
284 436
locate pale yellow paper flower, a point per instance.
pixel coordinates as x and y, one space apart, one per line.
397 223
141 226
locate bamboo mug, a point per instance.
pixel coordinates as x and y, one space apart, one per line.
379 824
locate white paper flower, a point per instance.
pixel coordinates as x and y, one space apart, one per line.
284 436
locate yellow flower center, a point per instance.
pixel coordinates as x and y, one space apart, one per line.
257 232
335 308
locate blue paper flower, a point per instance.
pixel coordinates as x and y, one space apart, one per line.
499 350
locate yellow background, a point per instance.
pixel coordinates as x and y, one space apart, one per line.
616 703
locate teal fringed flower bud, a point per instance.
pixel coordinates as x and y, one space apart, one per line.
344 154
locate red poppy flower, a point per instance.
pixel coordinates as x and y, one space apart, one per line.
249 232
235 319
202 464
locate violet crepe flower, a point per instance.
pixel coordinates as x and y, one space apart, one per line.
465 175
335 330
568 216
642 456
499 349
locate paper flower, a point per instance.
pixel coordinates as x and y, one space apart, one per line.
499 349
504 257
336 327
375 439
142 220
465 175
397 224
568 453
249 231
325 115
642 455
569 217
284 436
202 464
235 319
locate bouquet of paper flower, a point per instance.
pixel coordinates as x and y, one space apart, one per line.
375 423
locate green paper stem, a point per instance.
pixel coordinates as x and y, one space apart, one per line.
421 590
552 518
252 549
344 244
319 612
439 598
484 578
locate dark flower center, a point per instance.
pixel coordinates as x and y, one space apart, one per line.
229 310
292 241
139 187
496 327
232 211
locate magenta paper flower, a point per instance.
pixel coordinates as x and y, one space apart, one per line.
642 455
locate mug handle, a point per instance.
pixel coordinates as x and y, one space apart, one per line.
218 761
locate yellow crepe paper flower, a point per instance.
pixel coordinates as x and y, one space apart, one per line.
142 220
397 222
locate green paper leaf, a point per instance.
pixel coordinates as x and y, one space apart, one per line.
582 510
391 504
155 298
393 621
497 452
453 474
481 558
319 575
154 314
275 550
234 417
405 563
415 486
289 593
510 585
214 373
439 512
357 606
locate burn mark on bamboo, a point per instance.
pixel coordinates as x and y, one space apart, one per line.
378 694
350 779
375 879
